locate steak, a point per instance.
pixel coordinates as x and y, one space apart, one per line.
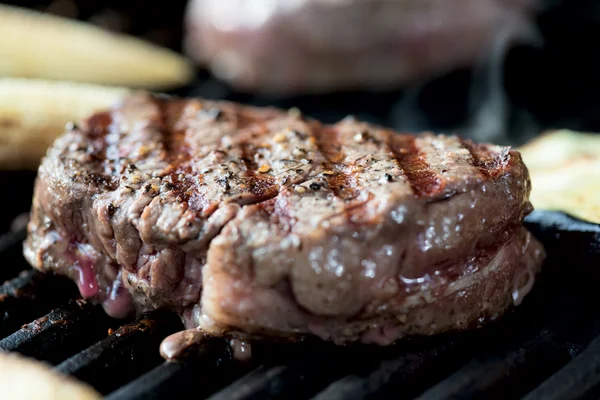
322 45
257 222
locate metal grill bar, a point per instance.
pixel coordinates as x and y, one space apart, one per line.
401 372
478 376
125 354
298 378
25 282
16 302
28 296
575 380
506 373
263 382
202 372
58 334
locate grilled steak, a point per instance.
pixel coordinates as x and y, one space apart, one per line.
321 45
259 222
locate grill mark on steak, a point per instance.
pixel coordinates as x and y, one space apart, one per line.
489 163
338 176
260 185
328 143
423 181
247 158
177 178
92 153
173 138
97 127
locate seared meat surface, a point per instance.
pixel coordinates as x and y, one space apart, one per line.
260 222
323 45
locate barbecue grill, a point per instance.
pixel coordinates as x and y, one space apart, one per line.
547 348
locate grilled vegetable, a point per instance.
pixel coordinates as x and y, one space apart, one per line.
34 112
23 378
565 173
36 45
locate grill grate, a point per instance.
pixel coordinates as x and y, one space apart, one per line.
580 378
64 331
125 354
209 362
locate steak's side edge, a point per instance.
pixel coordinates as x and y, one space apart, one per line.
499 279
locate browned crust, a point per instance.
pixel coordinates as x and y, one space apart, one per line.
196 158
424 182
249 126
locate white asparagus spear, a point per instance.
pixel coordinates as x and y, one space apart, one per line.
37 45
34 112
24 378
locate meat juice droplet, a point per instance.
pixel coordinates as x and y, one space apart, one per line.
175 345
522 286
242 350
86 281
118 302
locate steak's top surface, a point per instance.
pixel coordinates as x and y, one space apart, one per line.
151 191
206 153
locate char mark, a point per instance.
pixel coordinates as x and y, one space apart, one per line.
489 162
97 127
248 151
339 177
98 124
261 185
412 162
173 141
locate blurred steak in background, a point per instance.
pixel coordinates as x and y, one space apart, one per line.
291 46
